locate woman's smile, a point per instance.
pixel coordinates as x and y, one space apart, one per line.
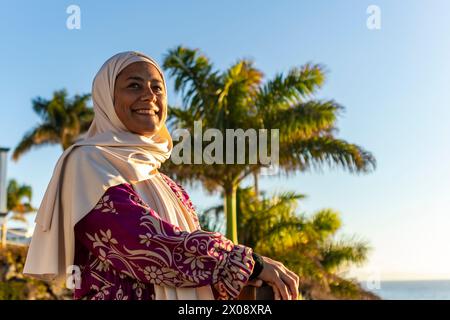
153 111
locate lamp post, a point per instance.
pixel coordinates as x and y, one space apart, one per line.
3 193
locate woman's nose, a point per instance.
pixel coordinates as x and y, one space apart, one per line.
149 94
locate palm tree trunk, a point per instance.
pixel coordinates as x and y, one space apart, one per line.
65 143
230 212
255 180
4 230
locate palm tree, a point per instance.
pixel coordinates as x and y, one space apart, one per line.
305 244
62 121
273 226
237 98
19 203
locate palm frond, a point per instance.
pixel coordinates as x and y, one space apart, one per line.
79 103
317 152
341 253
325 222
41 135
63 120
15 197
304 120
293 88
194 76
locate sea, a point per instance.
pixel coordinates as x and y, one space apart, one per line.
410 290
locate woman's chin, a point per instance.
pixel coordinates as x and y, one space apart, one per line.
149 131
148 127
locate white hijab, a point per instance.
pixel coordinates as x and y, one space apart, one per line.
111 155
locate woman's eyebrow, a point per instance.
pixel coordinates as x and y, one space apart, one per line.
135 78
142 79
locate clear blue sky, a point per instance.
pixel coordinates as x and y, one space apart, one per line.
394 83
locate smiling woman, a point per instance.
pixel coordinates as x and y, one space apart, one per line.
127 230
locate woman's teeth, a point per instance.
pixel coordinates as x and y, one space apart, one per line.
146 111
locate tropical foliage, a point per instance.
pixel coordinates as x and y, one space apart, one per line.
18 203
237 98
63 119
19 200
15 286
307 245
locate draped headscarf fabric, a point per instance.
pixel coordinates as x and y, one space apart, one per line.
108 155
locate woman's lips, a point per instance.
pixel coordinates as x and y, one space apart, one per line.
151 112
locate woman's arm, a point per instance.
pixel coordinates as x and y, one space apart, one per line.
125 233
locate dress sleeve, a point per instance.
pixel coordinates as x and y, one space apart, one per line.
123 232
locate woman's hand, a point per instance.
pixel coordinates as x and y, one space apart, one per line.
283 281
255 283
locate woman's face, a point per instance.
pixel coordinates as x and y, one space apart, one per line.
140 99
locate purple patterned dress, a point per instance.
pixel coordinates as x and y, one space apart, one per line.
123 248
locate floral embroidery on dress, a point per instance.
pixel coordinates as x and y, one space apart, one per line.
105 205
120 295
101 292
138 288
133 249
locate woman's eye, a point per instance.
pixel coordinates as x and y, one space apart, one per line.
157 89
134 85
